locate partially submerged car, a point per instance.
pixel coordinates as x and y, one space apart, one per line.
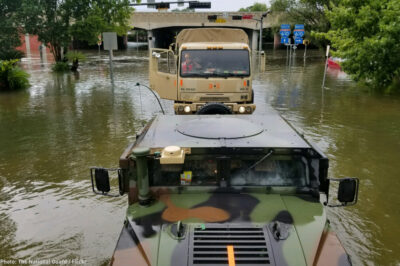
225 190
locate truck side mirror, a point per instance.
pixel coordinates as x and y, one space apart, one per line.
348 190
101 180
347 193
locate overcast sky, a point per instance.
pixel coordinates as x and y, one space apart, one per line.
216 5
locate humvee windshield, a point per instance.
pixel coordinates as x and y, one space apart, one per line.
244 171
215 63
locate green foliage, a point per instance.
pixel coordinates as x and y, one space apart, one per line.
60 66
311 13
103 16
75 56
12 77
9 30
11 54
256 7
367 34
50 20
56 22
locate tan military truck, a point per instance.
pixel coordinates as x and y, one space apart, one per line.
206 71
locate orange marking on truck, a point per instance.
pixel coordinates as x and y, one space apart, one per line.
231 255
181 82
210 86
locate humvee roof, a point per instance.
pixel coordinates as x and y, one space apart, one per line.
212 131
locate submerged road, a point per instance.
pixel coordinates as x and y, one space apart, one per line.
53 132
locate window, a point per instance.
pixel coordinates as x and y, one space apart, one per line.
166 62
244 170
215 63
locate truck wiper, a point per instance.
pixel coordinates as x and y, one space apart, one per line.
237 75
204 75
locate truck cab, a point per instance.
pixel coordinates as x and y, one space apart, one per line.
208 71
226 190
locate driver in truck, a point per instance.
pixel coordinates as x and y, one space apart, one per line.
189 64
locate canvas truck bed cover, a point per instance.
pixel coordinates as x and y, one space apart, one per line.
212 35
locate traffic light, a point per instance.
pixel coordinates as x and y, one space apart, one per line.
193 5
162 5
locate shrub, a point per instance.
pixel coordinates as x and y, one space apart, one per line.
11 54
60 67
74 57
12 77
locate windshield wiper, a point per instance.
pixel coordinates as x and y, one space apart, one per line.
259 161
190 75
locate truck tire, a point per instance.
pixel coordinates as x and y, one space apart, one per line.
214 109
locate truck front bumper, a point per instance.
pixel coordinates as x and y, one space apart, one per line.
192 108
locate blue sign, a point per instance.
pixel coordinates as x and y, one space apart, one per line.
298 30
298 40
285 33
285 40
285 30
298 33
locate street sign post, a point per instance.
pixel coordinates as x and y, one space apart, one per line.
298 33
110 43
285 33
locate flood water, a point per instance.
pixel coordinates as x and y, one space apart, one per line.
53 132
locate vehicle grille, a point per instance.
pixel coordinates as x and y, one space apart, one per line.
209 245
214 99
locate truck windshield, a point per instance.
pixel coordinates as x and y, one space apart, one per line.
215 63
210 171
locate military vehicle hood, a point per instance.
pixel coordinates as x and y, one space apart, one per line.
271 229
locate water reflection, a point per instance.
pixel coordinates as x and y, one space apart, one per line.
65 123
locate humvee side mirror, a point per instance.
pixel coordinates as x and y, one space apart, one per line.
347 193
101 179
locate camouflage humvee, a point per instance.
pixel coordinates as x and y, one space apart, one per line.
225 190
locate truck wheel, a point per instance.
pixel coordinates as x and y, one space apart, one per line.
214 109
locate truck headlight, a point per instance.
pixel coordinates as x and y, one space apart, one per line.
248 109
242 109
187 109
180 109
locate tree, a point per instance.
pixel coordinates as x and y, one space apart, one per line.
102 16
256 7
311 13
50 21
367 34
9 30
57 21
